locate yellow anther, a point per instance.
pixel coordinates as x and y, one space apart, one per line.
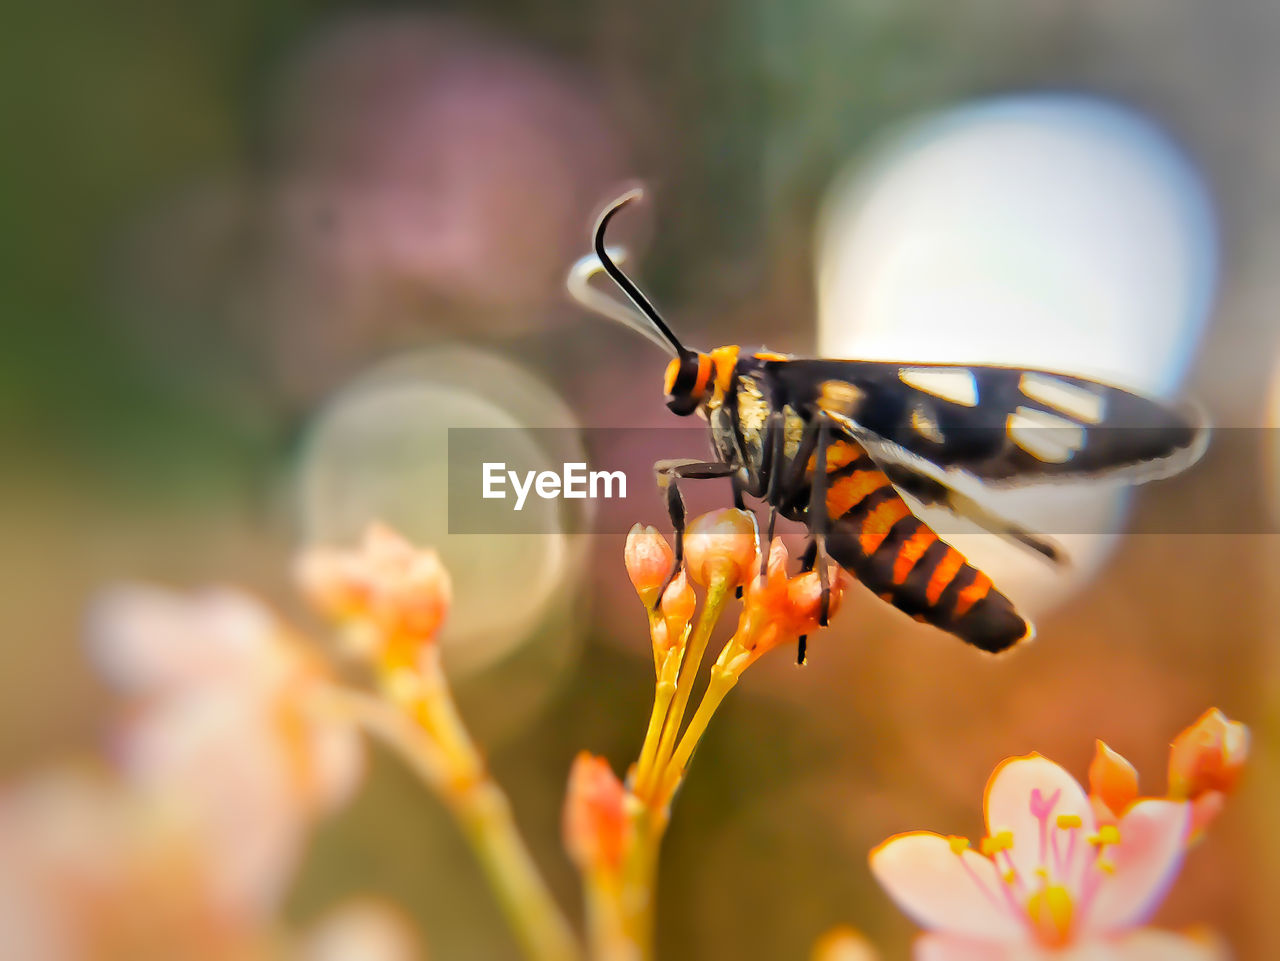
1042 873
1106 866
958 844
1010 876
1002 841
1107 834
1068 821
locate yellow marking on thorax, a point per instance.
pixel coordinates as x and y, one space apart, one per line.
840 397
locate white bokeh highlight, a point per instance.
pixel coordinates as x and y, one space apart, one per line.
379 451
1048 231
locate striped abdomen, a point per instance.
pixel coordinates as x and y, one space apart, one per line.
874 536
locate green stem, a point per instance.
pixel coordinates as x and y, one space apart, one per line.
457 772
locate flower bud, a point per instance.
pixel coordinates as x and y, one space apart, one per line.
595 822
662 641
843 944
1112 780
331 582
678 604
1208 756
648 559
721 545
804 597
402 591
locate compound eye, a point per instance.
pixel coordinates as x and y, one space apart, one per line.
685 383
682 404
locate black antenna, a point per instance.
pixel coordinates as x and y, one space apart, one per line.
623 281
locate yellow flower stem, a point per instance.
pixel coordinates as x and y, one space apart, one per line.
608 938
664 690
721 683
479 806
620 898
636 894
717 595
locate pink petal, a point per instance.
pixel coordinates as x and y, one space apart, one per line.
362 930
946 947
147 640
1144 945
1018 785
1153 945
1153 836
940 890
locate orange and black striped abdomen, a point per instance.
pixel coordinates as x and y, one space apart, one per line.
874 536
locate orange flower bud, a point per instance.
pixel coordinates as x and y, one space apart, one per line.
595 822
804 595
415 602
1204 811
331 582
662 641
843 944
678 604
1112 780
721 544
404 592
778 609
648 558
1208 756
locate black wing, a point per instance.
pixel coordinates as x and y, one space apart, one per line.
996 424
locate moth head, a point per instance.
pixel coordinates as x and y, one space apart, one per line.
688 377
695 379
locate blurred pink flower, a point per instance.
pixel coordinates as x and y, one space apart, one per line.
1047 881
91 870
362 930
230 720
415 160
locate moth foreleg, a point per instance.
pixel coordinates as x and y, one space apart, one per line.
669 474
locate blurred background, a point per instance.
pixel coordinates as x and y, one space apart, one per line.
258 256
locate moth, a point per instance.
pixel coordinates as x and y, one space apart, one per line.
834 444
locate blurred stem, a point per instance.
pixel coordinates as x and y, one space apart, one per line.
717 594
607 936
457 772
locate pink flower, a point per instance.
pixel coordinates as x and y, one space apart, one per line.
1047 881
230 721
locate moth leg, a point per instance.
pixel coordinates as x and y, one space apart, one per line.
817 513
810 556
774 445
670 473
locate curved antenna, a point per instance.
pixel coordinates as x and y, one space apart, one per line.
580 289
623 281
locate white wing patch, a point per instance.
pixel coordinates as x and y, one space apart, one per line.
923 423
954 384
1078 403
1045 437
